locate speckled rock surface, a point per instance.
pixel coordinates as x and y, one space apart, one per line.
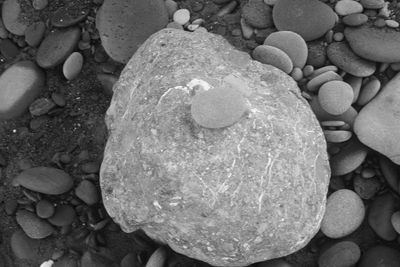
232 196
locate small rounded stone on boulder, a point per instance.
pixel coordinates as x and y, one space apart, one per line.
345 212
271 55
181 16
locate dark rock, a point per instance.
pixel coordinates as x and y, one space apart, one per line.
32 225
87 192
35 33
64 215
23 246
8 49
188 189
257 14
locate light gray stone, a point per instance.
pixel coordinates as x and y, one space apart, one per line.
232 196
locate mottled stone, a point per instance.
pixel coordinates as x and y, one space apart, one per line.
250 192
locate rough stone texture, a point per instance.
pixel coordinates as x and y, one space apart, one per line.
232 196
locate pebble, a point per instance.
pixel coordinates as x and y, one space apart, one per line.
347 7
257 14
381 256
3 30
58 99
63 17
218 108
341 55
315 83
32 225
368 92
23 246
392 23
10 12
338 36
355 20
129 260
349 158
87 192
390 172
182 16
247 30
379 216
344 213
20 84
335 97
57 46
63 215
316 54
41 106
292 44
337 136
308 70
46 180
372 4
296 74
44 209
340 254
324 69
227 9
10 206
270 55
91 167
39 4
34 33
395 219
375 44
8 49
172 7
355 83
158 258
366 188
73 66
48 263
380 23
309 18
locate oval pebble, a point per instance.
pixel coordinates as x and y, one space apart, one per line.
41 106
379 216
296 74
129 260
267 54
380 256
349 158
57 46
87 192
344 213
158 258
341 254
34 33
337 136
368 92
73 65
355 83
395 219
392 23
257 14
347 7
44 209
335 97
23 246
315 83
366 188
39 4
181 16
218 108
64 17
292 44
64 215
322 70
372 4
32 225
10 12
355 20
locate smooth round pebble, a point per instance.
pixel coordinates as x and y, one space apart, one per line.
349 158
322 70
315 83
23 246
218 108
338 36
341 254
39 4
296 74
32 225
87 192
368 92
270 55
344 213
292 44
181 16
335 97
392 23
73 65
380 214
44 209
380 256
355 19
395 219
64 215
308 70
337 136
347 7
130 260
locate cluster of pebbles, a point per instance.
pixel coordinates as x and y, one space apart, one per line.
342 54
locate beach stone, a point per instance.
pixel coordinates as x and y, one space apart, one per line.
347 7
73 66
8 49
257 14
316 82
181 16
395 219
337 136
378 123
340 254
10 13
344 213
366 188
175 160
391 172
292 44
87 192
309 18
368 92
3 30
44 209
335 97
375 44
63 215
316 54
39 4
34 33
372 4
341 55
41 106
355 19
380 214
355 83
20 84
32 225
57 46
68 15
23 246
271 55
380 256
118 24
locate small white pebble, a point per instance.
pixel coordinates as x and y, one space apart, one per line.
247 30
48 263
392 23
338 36
182 16
198 21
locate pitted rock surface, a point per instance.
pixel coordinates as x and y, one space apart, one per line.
232 196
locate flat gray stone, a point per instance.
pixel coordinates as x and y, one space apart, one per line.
232 196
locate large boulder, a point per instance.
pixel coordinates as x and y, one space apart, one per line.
232 196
